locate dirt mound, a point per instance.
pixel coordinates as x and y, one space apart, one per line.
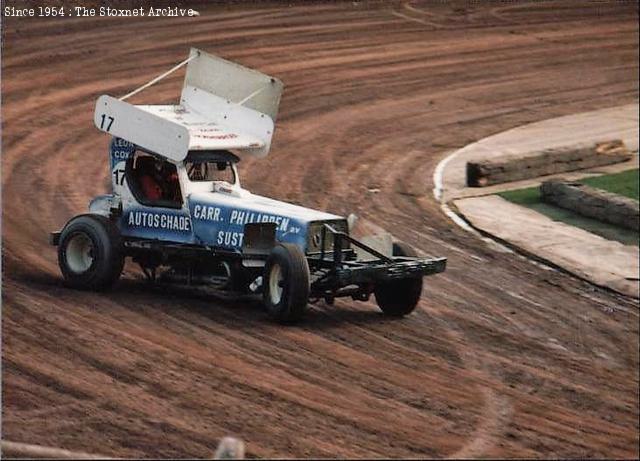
503 358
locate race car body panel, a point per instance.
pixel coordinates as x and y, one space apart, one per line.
157 223
143 128
209 134
219 218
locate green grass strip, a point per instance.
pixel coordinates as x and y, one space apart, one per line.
625 183
526 197
530 198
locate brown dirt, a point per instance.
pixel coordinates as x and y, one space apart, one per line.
502 359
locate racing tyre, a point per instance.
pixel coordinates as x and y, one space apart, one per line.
90 253
397 298
286 283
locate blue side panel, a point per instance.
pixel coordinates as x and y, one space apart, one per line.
157 223
120 150
223 226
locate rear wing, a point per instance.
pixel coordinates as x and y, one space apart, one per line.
223 106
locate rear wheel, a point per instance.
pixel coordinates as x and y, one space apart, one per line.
89 253
286 283
397 298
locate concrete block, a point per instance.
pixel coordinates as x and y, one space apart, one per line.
545 162
591 202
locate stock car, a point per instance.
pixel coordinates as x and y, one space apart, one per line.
178 210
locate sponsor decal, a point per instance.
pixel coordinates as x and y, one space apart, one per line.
224 227
229 239
120 151
243 217
205 212
215 136
152 220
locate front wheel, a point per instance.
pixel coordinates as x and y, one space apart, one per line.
89 253
286 283
397 298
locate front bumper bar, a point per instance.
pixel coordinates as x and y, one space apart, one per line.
400 268
344 272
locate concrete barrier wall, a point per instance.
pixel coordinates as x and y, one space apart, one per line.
593 203
549 161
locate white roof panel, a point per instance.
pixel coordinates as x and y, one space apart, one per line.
204 133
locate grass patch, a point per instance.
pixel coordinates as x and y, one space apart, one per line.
530 198
526 197
625 183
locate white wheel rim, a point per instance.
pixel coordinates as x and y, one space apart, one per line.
79 253
276 279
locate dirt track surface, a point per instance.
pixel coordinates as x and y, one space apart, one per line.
502 358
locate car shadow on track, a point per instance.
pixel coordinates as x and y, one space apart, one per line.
246 310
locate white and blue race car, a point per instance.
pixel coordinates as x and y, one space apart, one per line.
178 210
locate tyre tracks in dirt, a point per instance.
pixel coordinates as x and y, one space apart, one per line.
502 357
